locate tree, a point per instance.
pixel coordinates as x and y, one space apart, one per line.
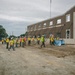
2 32
24 34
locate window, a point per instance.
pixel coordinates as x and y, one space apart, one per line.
68 33
67 17
58 21
44 24
51 22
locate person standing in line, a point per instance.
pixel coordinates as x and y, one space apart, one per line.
17 42
33 40
11 43
23 42
52 40
7 43
38 40
20 41
42 41
25 39
29 41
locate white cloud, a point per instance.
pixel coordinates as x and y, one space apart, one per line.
14 18
17 14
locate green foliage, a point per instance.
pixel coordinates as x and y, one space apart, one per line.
23 34
3 32
12 36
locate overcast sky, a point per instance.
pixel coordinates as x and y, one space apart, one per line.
16 15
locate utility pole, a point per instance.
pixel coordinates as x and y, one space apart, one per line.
50 7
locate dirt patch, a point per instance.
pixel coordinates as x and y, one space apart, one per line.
58 51
34 61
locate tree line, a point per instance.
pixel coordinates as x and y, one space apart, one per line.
3 33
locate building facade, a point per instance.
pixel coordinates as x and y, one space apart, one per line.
61 26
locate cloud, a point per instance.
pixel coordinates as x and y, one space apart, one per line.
16 15
14 18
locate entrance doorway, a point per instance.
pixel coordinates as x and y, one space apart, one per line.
68 33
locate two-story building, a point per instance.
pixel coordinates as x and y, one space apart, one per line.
61 26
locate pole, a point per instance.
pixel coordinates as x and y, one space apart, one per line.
50 7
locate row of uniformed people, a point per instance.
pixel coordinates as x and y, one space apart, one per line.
20 42
33 40
38 40
16 42
42 40
23 41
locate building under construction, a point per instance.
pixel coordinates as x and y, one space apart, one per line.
62 26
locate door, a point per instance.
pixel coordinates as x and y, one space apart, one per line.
68 33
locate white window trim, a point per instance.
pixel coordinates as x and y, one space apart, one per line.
59 21
44 24
51 23
68 18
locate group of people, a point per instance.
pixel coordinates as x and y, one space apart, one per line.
23 41
14 42
51 40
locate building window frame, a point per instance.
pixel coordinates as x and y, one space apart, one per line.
44 24
68 18
51 23
59 21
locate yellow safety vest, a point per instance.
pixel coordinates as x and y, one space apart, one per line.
42 39
52 39
29 38
11 42
22 40
7 40
38 38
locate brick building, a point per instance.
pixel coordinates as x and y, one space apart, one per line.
61 26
